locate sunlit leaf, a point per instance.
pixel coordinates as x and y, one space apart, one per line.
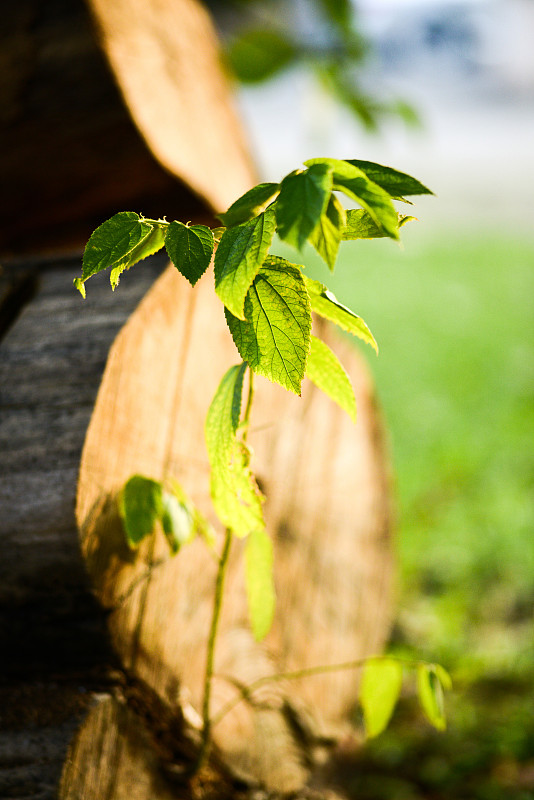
354 182
177 521
326 304
190 248
275 337
140 506
303 199
147 247
250 204
112 245
239 256
259 580
391 180
326 235
430 692
379 691
325 370
235 495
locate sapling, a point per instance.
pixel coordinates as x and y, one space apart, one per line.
268 303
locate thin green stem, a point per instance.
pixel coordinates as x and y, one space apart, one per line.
217 603
306 672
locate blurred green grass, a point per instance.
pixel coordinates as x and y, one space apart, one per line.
454 318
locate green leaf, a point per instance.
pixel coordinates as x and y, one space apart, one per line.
275 337
327 234
239 256
325 370
190 249
111 244
302 201
78 284
259 54
338 12
259 580
250 204
177 521
395 183
360 225
355 183
147 247
379 691
430 681
326 304
140 507
235 496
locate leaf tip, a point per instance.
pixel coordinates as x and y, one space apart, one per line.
78 284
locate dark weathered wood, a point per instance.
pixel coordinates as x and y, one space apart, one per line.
74 153
54 648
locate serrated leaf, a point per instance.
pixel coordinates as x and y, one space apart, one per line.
379 691
235 496
395 183
302 201
354 182
113 241
147 247
239 256
326 235
325 370
360 225
190 249
140 506
259 54
275 337
259 581
250 204
177 521
326 304
430 692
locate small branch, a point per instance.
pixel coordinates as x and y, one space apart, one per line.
245 692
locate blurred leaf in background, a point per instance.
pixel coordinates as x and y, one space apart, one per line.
265 38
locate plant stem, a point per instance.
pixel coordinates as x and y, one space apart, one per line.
217 603
306 672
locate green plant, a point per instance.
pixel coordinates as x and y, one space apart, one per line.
268 303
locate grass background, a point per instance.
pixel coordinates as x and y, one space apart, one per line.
453 316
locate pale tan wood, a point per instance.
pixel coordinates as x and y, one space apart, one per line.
166 60
327 508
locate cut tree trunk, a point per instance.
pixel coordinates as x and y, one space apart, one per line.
95 639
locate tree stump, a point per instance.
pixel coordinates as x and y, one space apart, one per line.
89 394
